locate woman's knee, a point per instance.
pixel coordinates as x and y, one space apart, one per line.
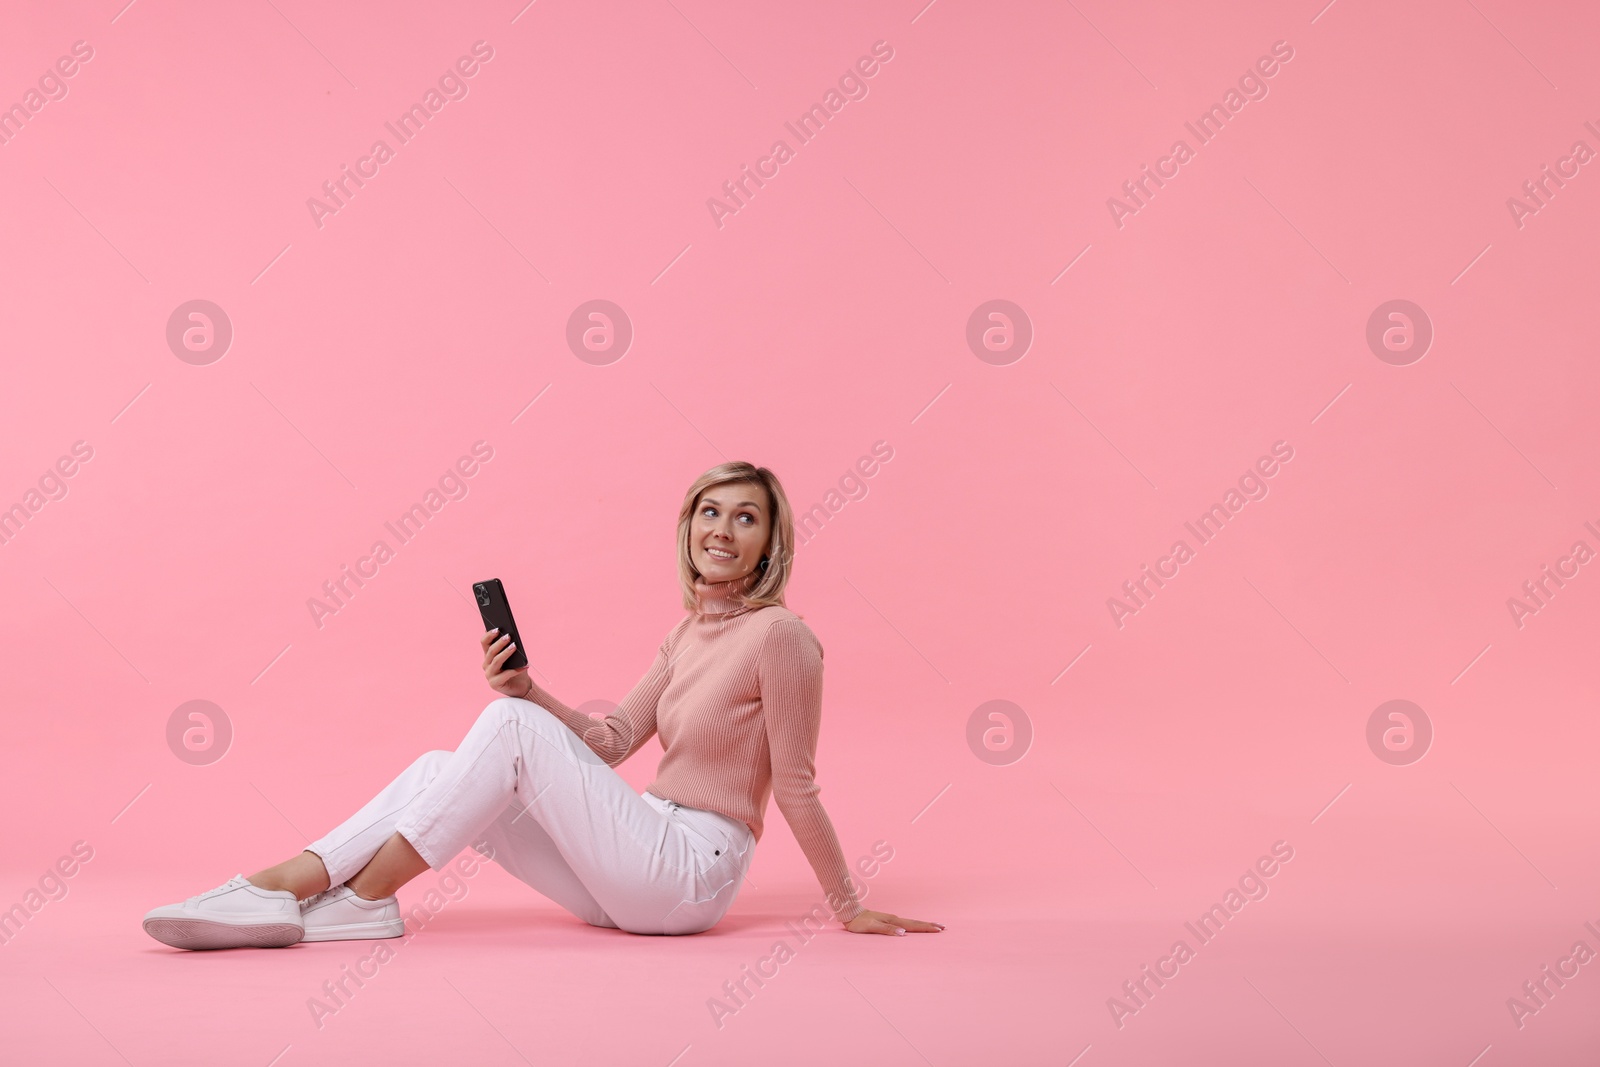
513 709
431 762
525 713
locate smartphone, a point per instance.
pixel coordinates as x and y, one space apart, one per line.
496 612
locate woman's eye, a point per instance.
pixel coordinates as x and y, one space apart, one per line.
708 511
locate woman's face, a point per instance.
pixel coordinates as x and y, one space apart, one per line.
729 529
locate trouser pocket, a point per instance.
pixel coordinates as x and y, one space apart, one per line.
708 846
711 893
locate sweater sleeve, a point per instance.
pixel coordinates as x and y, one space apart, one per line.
790 670
620 734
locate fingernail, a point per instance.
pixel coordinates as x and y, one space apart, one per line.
899 930
495 630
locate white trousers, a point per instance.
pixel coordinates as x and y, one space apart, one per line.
526 792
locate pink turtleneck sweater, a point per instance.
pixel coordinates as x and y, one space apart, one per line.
736 695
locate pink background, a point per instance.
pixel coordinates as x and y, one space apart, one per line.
829 313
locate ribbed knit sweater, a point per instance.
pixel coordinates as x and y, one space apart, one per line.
736 695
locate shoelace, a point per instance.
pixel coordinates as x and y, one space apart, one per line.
314 897
224 887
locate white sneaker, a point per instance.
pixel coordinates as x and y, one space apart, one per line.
236 914
337 914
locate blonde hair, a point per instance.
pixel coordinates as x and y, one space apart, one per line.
779 554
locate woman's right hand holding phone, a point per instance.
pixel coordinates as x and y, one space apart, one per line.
496 648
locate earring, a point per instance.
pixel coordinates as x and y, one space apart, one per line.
763 564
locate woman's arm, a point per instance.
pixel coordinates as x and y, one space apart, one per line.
620 734
790 671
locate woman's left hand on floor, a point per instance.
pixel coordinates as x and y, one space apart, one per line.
883 922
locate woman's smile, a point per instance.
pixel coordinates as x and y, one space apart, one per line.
731 531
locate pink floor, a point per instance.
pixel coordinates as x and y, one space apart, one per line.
1344 960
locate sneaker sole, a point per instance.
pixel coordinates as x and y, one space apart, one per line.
203 934
372 931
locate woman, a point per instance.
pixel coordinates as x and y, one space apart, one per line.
735 693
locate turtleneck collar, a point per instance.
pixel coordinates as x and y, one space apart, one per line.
722 598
